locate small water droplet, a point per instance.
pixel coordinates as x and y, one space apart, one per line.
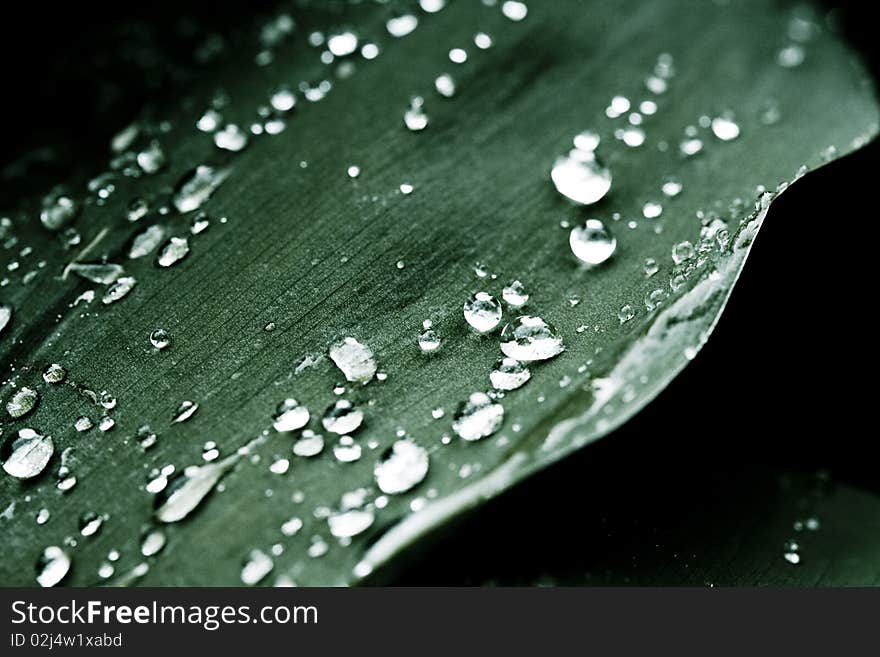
400 26
652 210
482 311
160 339
514 294
257 565
346 450
655 299
353 171
106 423
119 289
152 542
210 120
309 444
146 242
22 402
342 44
415 118
445 85
90 523
592 243
625 313
651 267
104 273
173 252
27 454
529 338
152 158
290 416
791 56
5 316
185 411
54 373
231 138
83 424
354 359
429 341
514 10
342 417
682 251
58 211
509 374
725 128
580 177
458 56
401 467
52 567
197 186
478 417
43 516
188 488
671 187
690 146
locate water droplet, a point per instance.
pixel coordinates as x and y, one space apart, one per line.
369 51
146 242
515 11
671 187
257 565
429 341
231 138
152 542
52 566
400 26
632 136
43 516
118 290
160 339
309 444
346 450
655 299
401 467
83 424
54 373
342 44
279 466
185 411
197 186
592 243
652 210
5 316
290 416
90 523
791 56
342 417
27 455
445 85
651 267
152 158
104 273
509 374
345 524
291 527
210 120
580 177
691 146
625 313
682 251
58 211
106 423
792 557
725 128
353 171
514 294
478 417
186 491
354 359
482 311
530 338
458 56
174 251
415 118
22 402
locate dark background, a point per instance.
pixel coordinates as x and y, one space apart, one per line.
702 487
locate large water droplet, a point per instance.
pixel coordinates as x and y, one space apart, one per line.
309 444
197 186
514 10
482 311
399 26
27 455
184 493
55 373
99 272
342 44
343 417
173 252
509 374
52 566
592 243
346 450
290 416
401 467
351 522
354 359
22 402
514 294
478 417
231 138
580 177
530 338
725 128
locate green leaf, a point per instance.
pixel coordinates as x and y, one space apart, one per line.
318 256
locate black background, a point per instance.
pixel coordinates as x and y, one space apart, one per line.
700 488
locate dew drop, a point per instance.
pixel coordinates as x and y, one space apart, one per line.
342 417
152 542
52 567
22 402
671 187
400 26
83 424
592 243
725 128
118 290
529 338
515 11
257 565
354 359
514 294
652 210
231 138
152 158
104 273
185 411
345 524
197 186
290 416
342 44
27 455
482 311
509 374
186 491
43 516
477 417
401 467
791 56
690 146
209 121
580 177
90 523
58 211
655 299
5 316
346 450
429 341
173 252
309 444
415 118
651 267
682 252
146 242
160 339
625 313
445 85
